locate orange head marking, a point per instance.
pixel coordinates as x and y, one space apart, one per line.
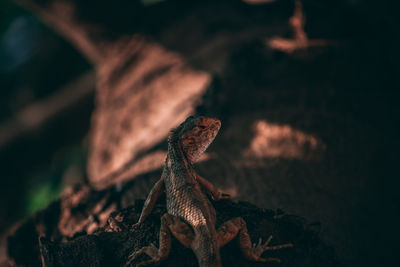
195 134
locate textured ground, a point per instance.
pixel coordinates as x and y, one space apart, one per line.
112 248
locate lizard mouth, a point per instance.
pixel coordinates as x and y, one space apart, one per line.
209 125
214 124
213 129
217 124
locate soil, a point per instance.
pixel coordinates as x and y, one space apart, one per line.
104 248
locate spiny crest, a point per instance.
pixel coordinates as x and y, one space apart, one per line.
175 133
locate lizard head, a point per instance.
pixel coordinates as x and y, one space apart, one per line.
195 134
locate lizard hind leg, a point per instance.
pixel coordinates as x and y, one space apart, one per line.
169 224
237 226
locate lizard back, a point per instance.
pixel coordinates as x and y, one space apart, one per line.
184 196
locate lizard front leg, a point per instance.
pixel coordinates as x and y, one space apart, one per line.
217 195
169 224
151 200
227 231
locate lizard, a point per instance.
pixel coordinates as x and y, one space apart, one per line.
191 217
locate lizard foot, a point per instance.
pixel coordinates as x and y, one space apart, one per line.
151 251
259 249
237 226
169 223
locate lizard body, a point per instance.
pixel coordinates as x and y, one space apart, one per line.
190 215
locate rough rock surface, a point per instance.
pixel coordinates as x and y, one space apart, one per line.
104 248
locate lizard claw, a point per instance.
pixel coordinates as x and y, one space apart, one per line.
259 249
133 257
266 247
151 251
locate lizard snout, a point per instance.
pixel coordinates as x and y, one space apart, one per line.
215 124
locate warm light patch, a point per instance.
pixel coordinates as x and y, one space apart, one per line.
135 111
300 39
273 140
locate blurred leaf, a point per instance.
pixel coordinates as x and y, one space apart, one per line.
41 196
47 185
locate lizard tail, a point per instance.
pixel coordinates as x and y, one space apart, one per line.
206 248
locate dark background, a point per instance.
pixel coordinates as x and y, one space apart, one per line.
358 84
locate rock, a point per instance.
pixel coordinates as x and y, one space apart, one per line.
107 248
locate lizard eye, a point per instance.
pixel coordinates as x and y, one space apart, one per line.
189 141
201 127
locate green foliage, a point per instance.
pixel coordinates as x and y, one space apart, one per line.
46 185
41 196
